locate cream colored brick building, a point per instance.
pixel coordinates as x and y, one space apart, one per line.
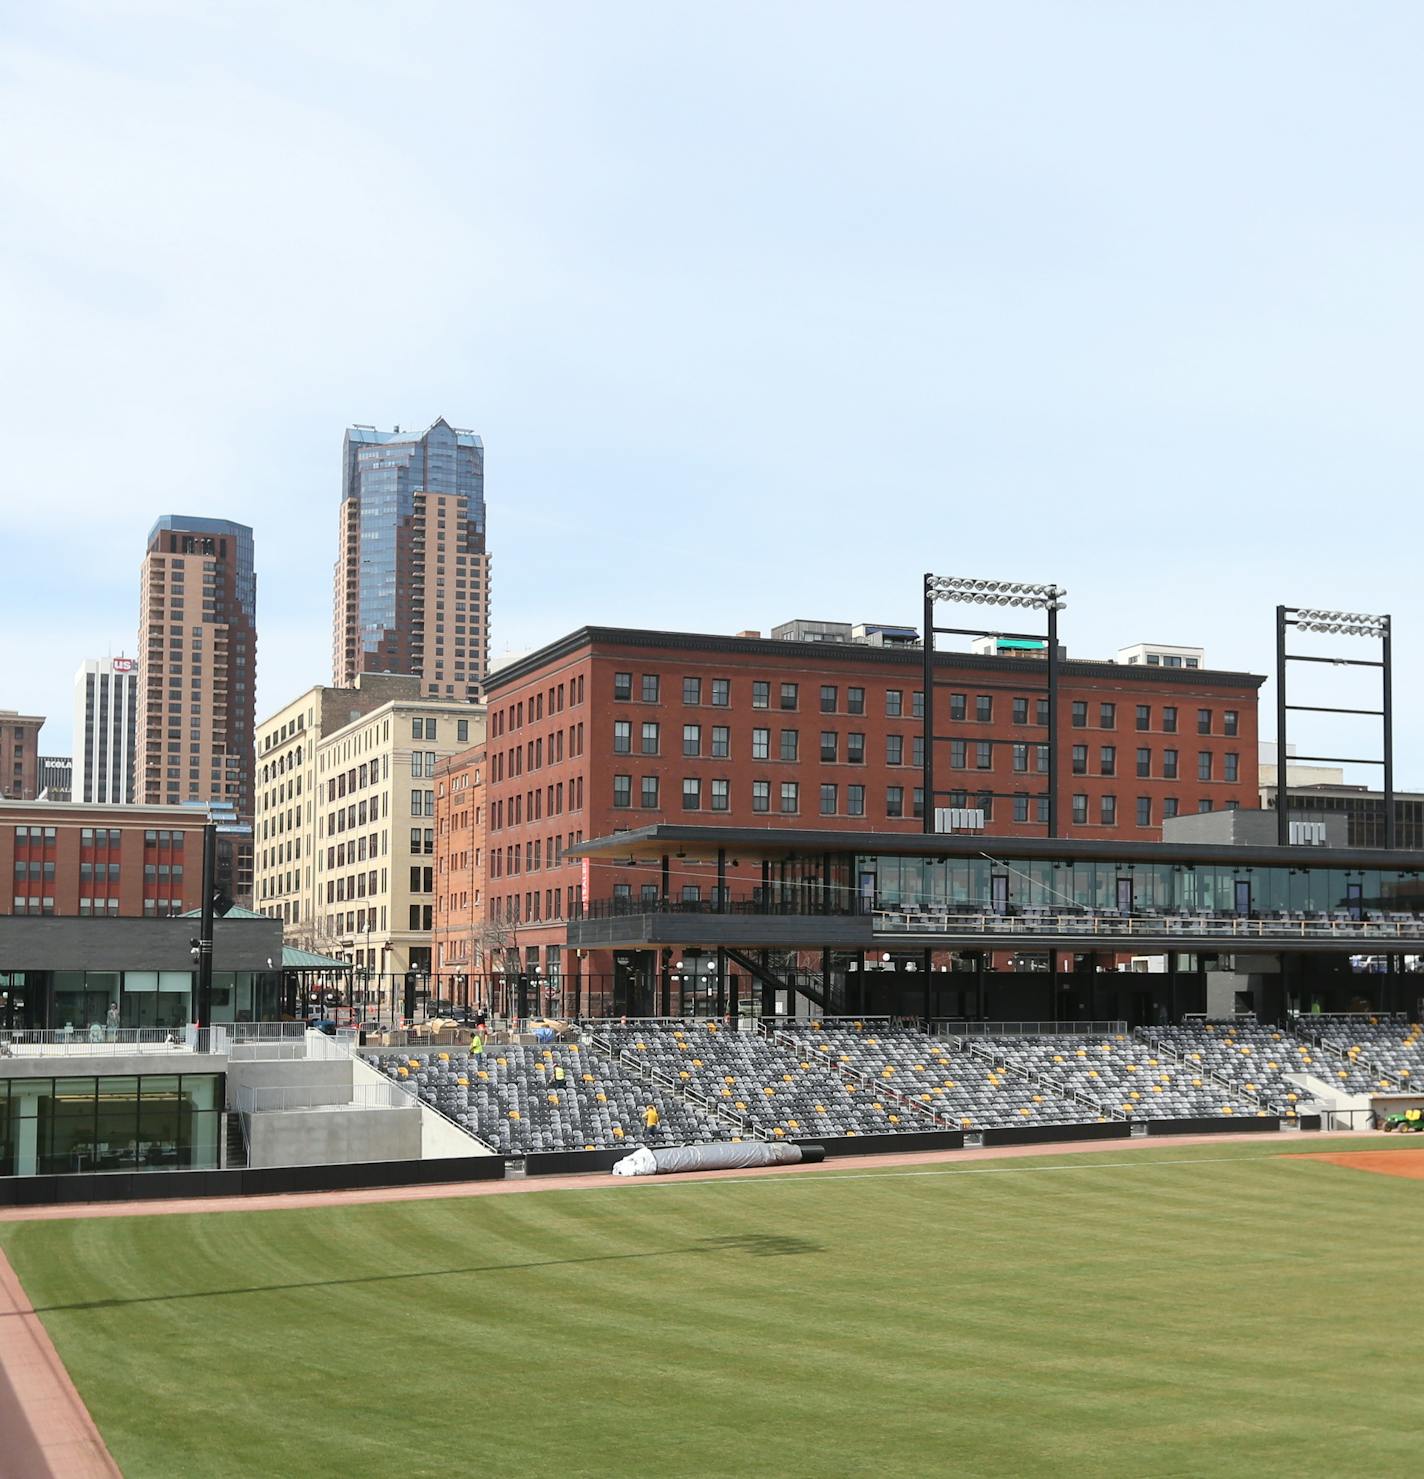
346 817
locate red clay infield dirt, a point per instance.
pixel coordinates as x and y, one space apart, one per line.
1406 1163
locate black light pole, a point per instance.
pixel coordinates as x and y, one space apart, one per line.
1282 808
1387 719
1053 719
205 926
927 702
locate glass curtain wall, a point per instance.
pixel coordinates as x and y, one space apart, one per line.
154 1122
945 883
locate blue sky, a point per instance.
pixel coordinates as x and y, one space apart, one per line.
762 310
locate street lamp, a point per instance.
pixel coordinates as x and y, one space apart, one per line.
1018 594
1341 624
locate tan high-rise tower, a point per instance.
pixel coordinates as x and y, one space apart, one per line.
197 699
411 591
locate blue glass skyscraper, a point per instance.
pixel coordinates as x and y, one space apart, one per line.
412 579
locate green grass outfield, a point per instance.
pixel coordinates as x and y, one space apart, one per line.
1183 1310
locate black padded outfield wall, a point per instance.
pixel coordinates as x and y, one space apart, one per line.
1222 1125
36 1191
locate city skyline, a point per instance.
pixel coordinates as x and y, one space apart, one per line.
1097 324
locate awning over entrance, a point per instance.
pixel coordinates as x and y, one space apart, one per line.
304 960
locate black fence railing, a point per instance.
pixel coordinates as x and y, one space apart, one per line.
755 903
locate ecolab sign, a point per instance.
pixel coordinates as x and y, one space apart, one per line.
124 664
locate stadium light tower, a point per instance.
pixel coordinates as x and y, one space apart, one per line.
1344 624
1023 595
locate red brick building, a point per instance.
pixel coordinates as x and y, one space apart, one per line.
463 944
611 728
70 859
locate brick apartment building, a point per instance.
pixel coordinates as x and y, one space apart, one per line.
120 862
610 729
464 942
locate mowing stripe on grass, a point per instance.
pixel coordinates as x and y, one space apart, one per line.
1085 1163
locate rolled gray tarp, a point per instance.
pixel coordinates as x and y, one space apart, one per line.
724 1156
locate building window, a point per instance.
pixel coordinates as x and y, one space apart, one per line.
462 730
1203 807
855 801
894 801
650 739
692 794
1020 711
828 698
622 737
1144 811
917 704
721 693
1169 765
894 703
761 744
828 800
830 742
1107 716
790 741
623 686
1144 762
983 754
984 708
721 796
761 695
917 801
1169 720
649 792
855 749
917 750
894 749
1231 767
650 688
1080 810
1169 806
1203 721
1107 810
622 790
761 795
958 749
1107 760
1020 807
1230 720
985 802
855 700
721 742
958 707
788 697
1144 716
1020 754
790 798
692 690
1080 715
1203 765
691 739
1080 759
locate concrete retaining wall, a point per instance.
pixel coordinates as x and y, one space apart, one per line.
322 1137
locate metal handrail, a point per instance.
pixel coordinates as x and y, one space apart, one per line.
1039 1079
36 1041
968 1027
865 1081
265 1098
1140 926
